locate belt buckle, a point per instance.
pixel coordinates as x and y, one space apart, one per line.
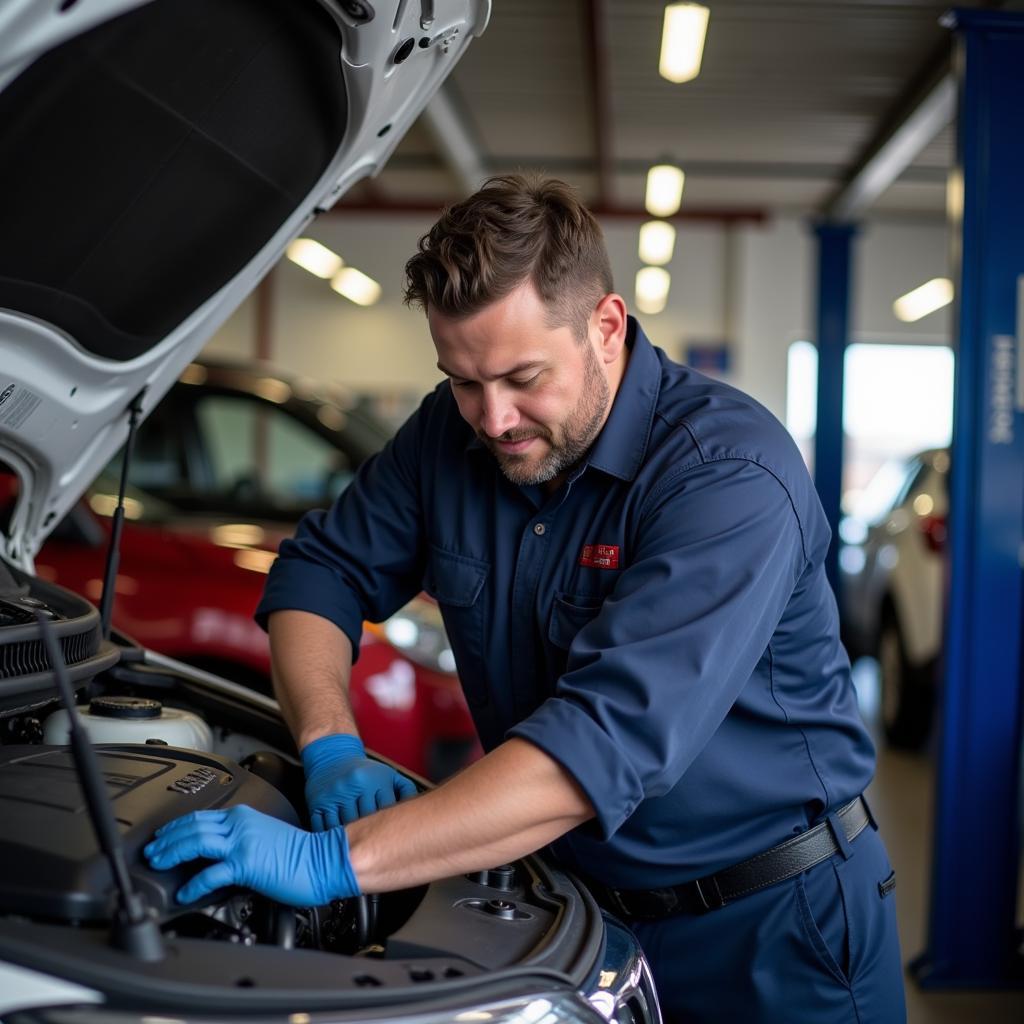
716 902
643 905
608 899
618 905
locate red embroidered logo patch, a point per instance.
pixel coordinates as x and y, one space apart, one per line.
600 556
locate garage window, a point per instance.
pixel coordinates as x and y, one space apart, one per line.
898 400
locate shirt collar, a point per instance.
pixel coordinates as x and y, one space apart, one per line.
620 447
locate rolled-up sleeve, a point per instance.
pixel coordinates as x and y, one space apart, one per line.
717 554
362 559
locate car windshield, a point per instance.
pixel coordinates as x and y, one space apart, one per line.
138 504
886 489
228 443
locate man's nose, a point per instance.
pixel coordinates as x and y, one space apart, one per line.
498 414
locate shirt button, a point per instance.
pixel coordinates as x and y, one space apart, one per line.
539 529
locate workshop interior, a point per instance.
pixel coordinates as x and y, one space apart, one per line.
206 211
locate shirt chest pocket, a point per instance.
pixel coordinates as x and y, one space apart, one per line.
456 582
569 615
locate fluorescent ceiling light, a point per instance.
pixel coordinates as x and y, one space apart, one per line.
932 295
657 240
682 41
664 190
314 257
355 285
652 289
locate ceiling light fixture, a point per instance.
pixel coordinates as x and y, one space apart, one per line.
356 286
932 295
652 284
657 242
682 41
314 257
664 190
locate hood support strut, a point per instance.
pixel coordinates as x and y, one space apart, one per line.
114 549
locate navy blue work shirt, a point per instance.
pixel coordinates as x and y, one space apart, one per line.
661 625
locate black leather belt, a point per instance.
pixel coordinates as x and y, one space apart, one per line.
786 860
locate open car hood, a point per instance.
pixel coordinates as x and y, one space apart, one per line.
155 161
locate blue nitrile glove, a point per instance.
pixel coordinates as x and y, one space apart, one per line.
343 784
303 869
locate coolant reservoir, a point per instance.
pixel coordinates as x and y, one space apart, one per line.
133 720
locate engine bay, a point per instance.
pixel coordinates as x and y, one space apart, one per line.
51 867
57 890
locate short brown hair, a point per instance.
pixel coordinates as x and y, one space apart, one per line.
516 227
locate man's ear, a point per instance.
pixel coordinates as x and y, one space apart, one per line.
608 326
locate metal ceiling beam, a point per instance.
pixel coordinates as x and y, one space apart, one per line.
779 170
727 215
447 126
925 108
595 13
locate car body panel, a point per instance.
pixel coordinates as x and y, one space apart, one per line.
184 594
889 560
893 576
72 405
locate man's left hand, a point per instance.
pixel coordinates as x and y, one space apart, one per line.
259 852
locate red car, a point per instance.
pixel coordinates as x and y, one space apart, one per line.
229 440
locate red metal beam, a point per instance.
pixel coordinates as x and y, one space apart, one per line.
726 215
595 15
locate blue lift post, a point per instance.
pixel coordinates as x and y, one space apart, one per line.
971 937
833 326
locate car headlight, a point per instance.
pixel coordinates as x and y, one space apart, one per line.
547 1007
623 991
418 632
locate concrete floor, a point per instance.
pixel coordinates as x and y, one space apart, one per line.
902 800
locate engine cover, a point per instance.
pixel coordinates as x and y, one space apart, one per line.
51 864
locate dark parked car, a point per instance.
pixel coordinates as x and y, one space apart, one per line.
155 159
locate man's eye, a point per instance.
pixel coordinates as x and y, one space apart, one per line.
524 383
462 383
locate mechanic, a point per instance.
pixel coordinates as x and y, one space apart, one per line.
629 560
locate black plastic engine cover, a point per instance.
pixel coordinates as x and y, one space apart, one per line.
51 864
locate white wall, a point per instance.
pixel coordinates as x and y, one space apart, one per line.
237 336
767 270
893 258
773 306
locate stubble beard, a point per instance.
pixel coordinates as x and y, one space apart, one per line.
575 435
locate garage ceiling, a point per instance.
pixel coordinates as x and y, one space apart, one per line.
789 97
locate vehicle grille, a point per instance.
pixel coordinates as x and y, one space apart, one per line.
28 657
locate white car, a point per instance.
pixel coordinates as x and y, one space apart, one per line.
155 160
892 579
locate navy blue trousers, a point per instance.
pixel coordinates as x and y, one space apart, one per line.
821 947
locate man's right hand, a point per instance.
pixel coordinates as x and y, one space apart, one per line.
343 784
